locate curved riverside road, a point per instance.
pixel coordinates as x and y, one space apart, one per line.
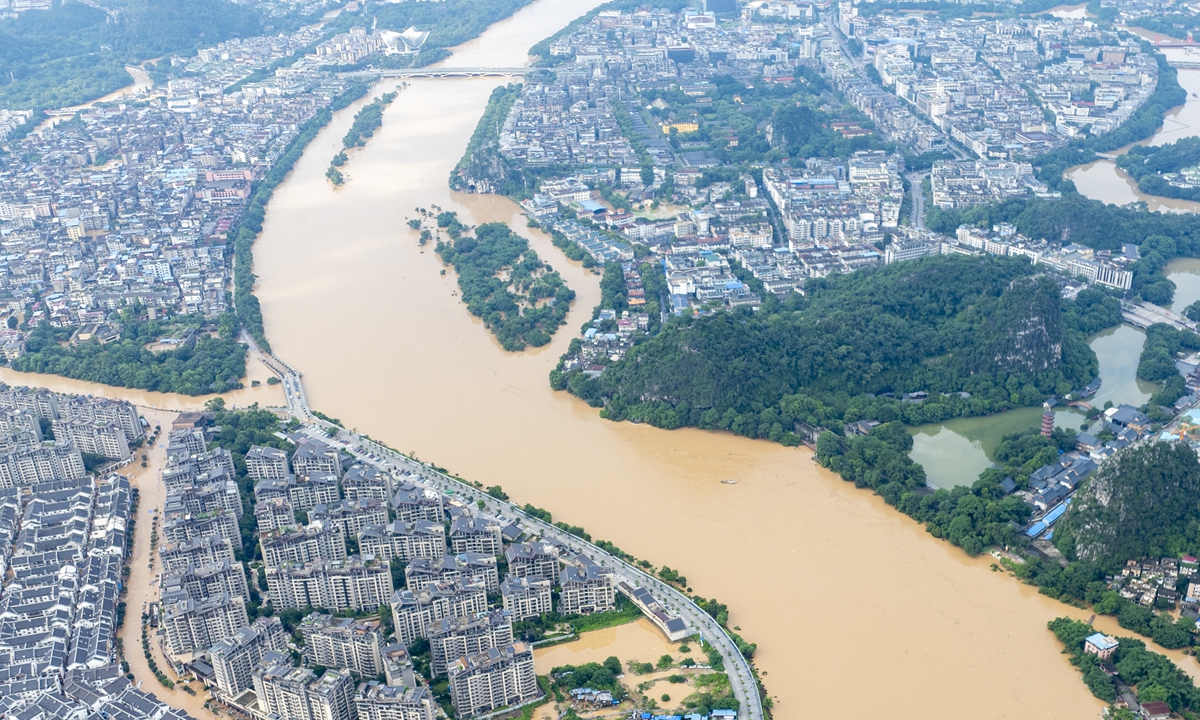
745 688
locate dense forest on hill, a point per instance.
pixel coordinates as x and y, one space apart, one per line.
1141 503
984 326
978 334
213 364
521 299
1147 163
77 52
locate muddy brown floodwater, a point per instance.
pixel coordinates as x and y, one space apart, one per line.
855 609
1103 180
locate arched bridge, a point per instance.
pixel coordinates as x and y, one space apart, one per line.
444 72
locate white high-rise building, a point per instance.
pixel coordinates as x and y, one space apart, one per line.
394 702
234 658
343 643
349 584
492 679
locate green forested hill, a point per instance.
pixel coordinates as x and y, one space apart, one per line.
1142 503
986 326
76 52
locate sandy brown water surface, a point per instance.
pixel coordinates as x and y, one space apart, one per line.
1103 180
855 609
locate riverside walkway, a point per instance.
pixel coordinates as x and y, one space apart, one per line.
741 678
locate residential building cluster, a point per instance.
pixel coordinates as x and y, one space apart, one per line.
1147 581
1076 261
451 556
134 202
43 435
997 87
64 542
962 183
611 335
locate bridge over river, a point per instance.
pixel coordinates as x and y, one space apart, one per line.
1145 314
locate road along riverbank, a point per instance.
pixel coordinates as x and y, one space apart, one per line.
351 299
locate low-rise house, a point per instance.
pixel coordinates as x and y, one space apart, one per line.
1100 645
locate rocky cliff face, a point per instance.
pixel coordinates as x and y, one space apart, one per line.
1029 326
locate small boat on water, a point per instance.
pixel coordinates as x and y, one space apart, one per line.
729 482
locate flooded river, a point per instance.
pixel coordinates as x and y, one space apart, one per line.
1103 180
855 609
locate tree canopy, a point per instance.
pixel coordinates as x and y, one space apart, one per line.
522 300
214 364
1141 503
979 334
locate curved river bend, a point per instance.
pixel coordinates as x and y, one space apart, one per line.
856 610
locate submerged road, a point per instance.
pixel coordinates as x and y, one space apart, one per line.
741 677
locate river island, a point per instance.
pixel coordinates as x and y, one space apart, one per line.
691 240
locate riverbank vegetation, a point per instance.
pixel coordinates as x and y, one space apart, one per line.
482 159
521 299
249 224
1157 364
366 122
1148 164
204 364
1151 676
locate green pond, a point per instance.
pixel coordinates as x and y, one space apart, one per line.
956 451
1185 273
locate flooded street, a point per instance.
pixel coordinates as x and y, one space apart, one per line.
351 300
141 587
